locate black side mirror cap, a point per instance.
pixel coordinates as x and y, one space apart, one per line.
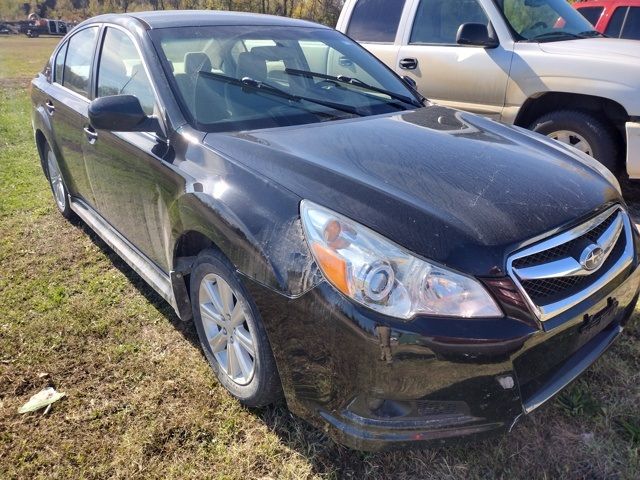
476 34
121 113
410 81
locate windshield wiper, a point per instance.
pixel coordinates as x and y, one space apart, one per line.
592 33
555 35
270 89
354 81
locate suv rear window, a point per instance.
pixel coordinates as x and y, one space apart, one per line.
592 14
375 20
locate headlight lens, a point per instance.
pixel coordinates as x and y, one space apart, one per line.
385 277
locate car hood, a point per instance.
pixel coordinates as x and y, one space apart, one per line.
450 186
604 48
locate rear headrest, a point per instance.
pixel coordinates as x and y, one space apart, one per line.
251 65
195 62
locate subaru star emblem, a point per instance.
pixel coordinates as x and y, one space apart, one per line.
592 257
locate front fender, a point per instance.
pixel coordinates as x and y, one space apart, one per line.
256 225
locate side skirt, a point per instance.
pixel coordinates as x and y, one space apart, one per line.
138 261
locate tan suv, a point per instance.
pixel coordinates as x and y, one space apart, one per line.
537 64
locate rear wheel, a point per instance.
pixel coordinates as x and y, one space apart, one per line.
58 188
231 332
582 130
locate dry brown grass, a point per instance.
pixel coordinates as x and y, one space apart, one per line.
141 400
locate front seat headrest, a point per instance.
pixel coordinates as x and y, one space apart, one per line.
195 62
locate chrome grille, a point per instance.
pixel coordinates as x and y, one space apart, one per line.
566 248
558 273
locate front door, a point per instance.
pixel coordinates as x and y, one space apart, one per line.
466 77
133 183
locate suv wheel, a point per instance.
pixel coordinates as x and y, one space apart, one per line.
583 131
231 332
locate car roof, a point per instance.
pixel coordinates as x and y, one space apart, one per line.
198 18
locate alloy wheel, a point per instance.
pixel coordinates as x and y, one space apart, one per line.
224 317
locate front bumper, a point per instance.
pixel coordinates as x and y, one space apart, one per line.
375 383
633 149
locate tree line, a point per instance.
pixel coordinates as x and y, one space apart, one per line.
322 11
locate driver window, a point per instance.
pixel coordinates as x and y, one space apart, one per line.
437 21
121 72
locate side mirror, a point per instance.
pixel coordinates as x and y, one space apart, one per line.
410 81
121 113
476 34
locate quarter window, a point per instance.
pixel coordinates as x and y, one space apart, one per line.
615 24
592 14
632 24
121 72
77 66
375 20
59 64
438 21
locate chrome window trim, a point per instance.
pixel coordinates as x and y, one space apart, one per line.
546 312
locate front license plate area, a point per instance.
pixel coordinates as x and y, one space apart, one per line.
595 322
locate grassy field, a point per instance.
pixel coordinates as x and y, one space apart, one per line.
141 401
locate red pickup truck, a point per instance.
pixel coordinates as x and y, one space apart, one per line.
614 18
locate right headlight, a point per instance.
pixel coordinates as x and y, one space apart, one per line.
374 271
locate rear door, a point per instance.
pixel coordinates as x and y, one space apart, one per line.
67 103
467 77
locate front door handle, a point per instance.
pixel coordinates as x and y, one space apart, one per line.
51 108
91 134
409 63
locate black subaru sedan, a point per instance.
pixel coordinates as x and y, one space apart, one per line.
398 272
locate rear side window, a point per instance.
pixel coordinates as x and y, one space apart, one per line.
438 21
77 66
615 24
592 14
59 64
631 28
375 20
121 72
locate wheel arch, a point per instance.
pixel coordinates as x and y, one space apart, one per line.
40 142
273 253
540 104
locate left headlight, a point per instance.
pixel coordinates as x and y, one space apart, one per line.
374 271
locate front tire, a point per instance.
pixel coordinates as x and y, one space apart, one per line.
56 182
583 131
231 333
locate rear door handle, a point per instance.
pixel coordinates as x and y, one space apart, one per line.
91 134
51 108
409 63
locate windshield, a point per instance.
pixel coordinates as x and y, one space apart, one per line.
232 78
545 20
